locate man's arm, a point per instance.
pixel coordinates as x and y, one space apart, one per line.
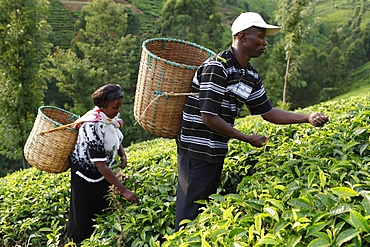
278 116
220 126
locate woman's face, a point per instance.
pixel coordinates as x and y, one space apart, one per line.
113 108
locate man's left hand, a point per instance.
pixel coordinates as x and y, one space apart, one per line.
317 119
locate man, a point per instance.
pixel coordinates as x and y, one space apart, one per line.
225 82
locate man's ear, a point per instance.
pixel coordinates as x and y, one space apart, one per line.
242 36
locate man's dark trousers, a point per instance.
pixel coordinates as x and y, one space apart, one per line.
197 180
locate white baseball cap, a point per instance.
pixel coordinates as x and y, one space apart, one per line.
251 19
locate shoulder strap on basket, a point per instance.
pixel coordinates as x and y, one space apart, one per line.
218 57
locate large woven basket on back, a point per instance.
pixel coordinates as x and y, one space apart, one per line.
166 70
49 151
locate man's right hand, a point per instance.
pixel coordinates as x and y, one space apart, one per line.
257 140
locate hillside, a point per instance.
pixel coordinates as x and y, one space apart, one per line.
77 5
308 185
361 83
331 12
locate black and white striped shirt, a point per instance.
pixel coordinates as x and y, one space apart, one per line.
224 87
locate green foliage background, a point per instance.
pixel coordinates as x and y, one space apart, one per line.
74 59
309 186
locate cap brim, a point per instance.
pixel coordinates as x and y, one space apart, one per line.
270 29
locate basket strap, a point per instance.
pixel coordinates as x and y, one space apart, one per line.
160 94
59 128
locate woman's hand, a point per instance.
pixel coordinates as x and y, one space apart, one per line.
123 161
115 180
130 196
121 177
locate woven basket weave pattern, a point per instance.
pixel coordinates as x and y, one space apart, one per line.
49 152
166 70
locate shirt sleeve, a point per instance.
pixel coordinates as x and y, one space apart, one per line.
258 102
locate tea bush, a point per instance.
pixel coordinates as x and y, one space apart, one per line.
307 187
33 208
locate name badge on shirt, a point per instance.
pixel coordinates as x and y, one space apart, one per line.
241 89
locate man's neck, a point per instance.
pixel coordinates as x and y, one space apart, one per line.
240 56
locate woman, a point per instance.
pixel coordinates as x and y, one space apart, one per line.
99 142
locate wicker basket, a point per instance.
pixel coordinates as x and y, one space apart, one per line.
166 71
49 151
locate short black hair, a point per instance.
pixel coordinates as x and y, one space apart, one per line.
106 94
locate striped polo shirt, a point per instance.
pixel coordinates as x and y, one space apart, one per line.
224 86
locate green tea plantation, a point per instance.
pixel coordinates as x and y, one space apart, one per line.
307 187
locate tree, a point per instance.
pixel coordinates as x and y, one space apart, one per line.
355 55
103 52
366 37
294 18
23 48
197 21
274 78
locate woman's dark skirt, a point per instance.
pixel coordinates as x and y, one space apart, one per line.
87 200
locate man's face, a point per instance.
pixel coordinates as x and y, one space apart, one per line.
254 41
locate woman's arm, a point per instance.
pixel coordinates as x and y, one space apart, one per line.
122 154
113 180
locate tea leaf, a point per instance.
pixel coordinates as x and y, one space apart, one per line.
118 227
346 236
299 203
279 226
237 231
217 198
358 221
310 178
316 228
359 131
294 239
233 197
267 241
366 204
152 242
276 203
250 233
318 216
319 242
363 147
322 178
340 209
326 200
349 145
258 224
344 192
272 212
